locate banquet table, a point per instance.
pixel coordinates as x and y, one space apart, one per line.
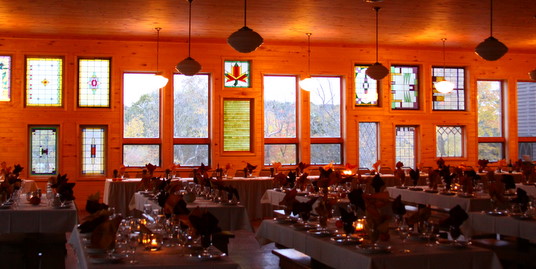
175 257
482 223
230 217
477 203
530 189
411 254
42 218
518 176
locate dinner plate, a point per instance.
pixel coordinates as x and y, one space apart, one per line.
497 213
303 227
321 232
211 253
285 220
4 206
431 191
342 239
373 248
452 244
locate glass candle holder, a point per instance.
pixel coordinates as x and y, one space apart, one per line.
152 242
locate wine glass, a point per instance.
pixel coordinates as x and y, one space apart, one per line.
133 242
429 233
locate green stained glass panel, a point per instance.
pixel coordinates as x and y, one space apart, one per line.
5 78
366 88
404 87
94 82
93 150
44 81
237 74
43 150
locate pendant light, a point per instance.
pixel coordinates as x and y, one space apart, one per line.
158 80
532 74
444 86
377 71
308 83
189 66
491 49
245 40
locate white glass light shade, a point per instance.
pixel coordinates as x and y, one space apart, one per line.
245 40
491 49
444 86
188 66
532 74
159 81
377 71
308 84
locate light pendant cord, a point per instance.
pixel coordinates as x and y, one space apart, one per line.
491 18
157 45
377 10
245 11
308 54
189 26
444 59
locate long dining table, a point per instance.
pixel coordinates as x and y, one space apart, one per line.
504 224
409 254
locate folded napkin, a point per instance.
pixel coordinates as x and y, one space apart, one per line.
455 219
378 216
288 201
440 163
522 199
280 179
433 179
91 222
249 168
103 236
302 166
347 219
356 198
423 213
93 205
204 222
377 183
415 176
447 176
302 182
64 188
291 179
303 209
398 206
508 181
376 166
172 203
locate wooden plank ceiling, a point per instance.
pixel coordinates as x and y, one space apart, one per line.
411 23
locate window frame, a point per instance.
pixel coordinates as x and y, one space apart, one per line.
378 89
462 146
499 139
30 143
378 156
465 83
61 91
251 129
419 88
10 79
78 90
416 132
105 150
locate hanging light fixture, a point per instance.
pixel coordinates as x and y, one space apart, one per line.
532 74
158 80
491 49
308 83
189 66
377 71
444 86
245 40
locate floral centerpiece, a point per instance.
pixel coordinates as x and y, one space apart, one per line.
482 164
10 180
60 186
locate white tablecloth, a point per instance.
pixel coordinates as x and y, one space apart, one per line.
165 258
347 257
231 217
481 223
27 218
478 203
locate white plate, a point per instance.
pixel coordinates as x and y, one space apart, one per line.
374 248
451 244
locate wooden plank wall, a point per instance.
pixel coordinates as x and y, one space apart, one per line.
269 59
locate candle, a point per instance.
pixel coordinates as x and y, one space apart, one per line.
359 225
347 172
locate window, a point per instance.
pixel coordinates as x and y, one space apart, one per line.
93 150
526 119
237 74
406 145
368 144
44 81
237 121
94 82
366 89
449 141
454 100
325 121
490 120
5 78
280 120
43 150
191 119
141 120
404 87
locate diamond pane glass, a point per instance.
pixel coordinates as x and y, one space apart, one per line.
191 106
449 141
44 81
405 145
489 101
404 87
527 148
43 150
286 154
141 106
490 151
366 89
190 155
368 144
237 74
5 78
94 82
93 150
140 155
454 100
326 153
526 110
325 107
279 106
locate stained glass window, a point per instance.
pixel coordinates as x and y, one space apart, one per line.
237 74
405 145
141 104
5 78
140 155
454 100
44 81
191 155
404 87
368 144
94 82
366 89
237 125
93 150
43 150
449 141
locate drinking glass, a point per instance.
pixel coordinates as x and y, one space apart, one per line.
133 242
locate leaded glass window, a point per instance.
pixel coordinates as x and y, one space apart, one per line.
93 150
326 153
449 141
94 82
141 106
43 150
237 74
366 88
140 155
5 78
404 87
368 144
454 100
406 145
191 155
44 81
526 110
